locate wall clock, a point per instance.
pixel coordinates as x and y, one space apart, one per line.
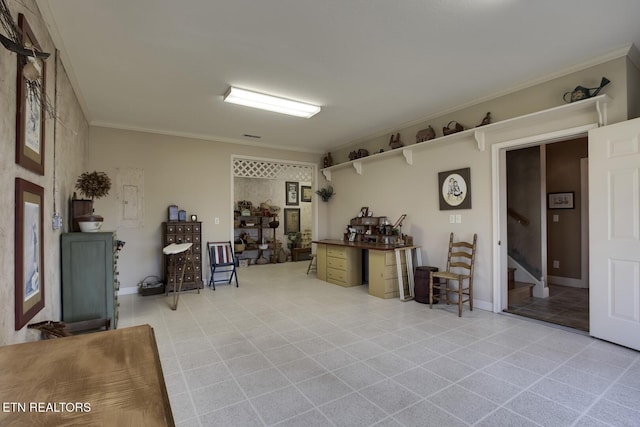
454 188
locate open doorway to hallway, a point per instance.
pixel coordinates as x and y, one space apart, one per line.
547 232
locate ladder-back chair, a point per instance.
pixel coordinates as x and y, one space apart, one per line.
458 276
222 261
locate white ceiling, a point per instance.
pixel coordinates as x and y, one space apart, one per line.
373 65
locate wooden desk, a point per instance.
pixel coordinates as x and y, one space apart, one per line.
105 378
340 262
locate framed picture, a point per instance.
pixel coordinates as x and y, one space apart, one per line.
30 129
29 251
291 220
560 200
364 212
291 193
454 188
306 194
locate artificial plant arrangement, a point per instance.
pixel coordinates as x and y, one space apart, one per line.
93 184
325 193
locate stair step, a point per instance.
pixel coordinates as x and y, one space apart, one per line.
520 292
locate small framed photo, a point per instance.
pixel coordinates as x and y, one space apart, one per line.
454 188
194 218
352 236
364 212
291 220
291 193
305 193
560 200
173 212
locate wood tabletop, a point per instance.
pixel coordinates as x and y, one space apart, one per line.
99 379
362 245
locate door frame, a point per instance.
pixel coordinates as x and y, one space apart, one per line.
499 201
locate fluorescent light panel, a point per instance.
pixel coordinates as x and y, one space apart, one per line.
270 103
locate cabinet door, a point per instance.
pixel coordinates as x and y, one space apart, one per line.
87 276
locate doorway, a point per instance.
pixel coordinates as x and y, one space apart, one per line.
547 243
272 204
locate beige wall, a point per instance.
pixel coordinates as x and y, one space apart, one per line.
70 142
633 82
540 97
389 186
191 173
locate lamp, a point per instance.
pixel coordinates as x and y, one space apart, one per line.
270 103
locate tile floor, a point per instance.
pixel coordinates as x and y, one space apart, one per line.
565 306
287 349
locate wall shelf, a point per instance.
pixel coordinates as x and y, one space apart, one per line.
479 135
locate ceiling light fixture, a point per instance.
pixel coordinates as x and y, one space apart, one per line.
270 103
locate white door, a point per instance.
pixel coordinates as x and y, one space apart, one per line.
614 230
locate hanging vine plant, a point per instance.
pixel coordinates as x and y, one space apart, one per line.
325 193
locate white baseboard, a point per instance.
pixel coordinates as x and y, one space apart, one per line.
566 281
128 291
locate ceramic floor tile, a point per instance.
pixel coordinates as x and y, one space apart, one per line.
302 369
542 411
323 388
615 414
490 387
426 414
505 418
313 418
280 405
468 406
390 396
220 346
352 410
261 382
240 414
421 382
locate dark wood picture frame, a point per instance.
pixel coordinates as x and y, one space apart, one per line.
29 251
454 189
291 193
30 117
305 193
291 220
561 200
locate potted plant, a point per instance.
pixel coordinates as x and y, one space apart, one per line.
325 193
93 185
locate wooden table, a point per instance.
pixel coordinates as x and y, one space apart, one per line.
105 378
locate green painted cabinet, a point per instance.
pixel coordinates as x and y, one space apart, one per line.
89 277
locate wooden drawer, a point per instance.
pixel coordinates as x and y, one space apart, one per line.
169 238
335 274
170 228
337 252
390 258
337 263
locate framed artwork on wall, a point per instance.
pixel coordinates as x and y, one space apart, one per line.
30 129
560 200
291 220
29 252
454 189
291 195
305 193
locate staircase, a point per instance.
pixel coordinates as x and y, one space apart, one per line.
518 291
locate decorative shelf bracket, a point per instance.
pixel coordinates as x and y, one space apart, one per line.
327 174
408 155
601 108
358 167
480 139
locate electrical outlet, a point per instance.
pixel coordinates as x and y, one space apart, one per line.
556 263
56 221
556 218
216 221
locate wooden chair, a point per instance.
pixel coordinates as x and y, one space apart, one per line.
312 263
222 260
51 329
460 264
